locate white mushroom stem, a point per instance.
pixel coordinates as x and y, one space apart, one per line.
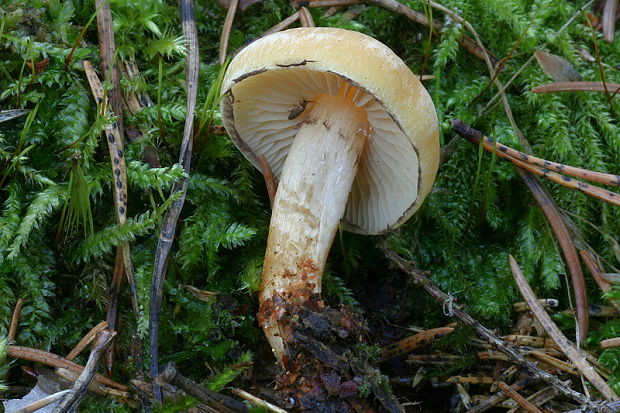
314 187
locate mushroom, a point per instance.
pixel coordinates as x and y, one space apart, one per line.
352 136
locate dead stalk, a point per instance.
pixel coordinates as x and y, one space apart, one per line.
270 180
15 320
171 216
54 360
612 88
305 17
563 343
260 402
230 17
86 340
72 399
282 25
521 401
610 343
410 343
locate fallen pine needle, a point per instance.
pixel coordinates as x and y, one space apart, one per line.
577 87
563 343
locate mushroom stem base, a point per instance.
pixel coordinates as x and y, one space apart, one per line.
310 201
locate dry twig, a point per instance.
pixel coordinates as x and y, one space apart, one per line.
41 403
566 346
72 399
54 360
213 399
521 401
260 402
282 25
611 343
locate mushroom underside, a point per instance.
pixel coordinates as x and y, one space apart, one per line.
268 109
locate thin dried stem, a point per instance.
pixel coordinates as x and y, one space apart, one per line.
521 401
531 164
15 320
72 399
552 329
168 228
87 339
282 25
611 343
260 402
270 180
230 17
306 18
612 88
54 360
410 343
41 403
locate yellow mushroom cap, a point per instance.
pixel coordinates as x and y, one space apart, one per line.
267 84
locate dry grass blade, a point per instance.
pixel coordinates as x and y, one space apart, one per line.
521 401
230 17
499 149
597 274
609 19
499 397
324 3
119 172
563 343
612 88
87 339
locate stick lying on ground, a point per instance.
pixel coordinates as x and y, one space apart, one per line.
72 400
